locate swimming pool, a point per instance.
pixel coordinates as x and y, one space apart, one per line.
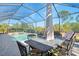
23 37
20 37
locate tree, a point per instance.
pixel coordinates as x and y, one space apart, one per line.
75 27
40 30
20 26
77 18
64 15
56 28
66 27
4 28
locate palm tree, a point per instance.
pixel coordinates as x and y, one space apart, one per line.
64 15
77 18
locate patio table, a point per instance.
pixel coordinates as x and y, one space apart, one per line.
43 48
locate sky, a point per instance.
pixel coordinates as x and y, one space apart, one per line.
21 12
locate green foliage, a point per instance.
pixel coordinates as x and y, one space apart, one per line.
75 27
77 38
30 30
40 30
64 15
65 27
56 52
20 27
56 27
77 18
3 28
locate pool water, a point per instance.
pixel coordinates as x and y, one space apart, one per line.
20 37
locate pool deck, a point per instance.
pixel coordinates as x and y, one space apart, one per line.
75 51
8 47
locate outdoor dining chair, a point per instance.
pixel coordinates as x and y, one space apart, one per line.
66 47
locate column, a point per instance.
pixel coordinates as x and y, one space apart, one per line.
49 22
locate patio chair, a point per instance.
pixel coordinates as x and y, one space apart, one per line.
22 48
66 47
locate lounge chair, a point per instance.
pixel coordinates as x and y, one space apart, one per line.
66 47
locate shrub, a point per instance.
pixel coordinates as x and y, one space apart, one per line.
77 38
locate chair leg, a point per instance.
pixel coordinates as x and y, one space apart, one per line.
29 51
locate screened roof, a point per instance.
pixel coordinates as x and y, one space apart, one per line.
31 13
